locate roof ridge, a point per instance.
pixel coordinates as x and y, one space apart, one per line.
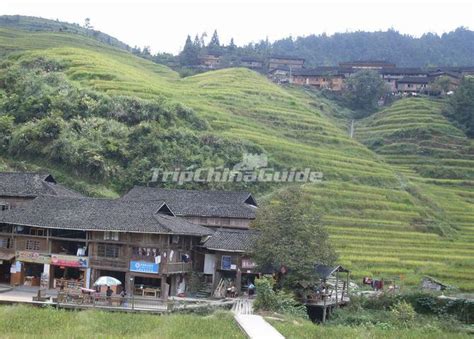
192 190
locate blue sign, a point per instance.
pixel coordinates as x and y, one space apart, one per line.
144 267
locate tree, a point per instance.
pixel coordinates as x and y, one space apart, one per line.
460 107
441 85
87 23
214 40
363 90
146 50
190 54
232 45
291 236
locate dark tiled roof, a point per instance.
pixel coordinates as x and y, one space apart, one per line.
225 204
446 73
99 215
325 271
286 57
249 59
403 71
31 185
367 62
232 240
414 80
323 71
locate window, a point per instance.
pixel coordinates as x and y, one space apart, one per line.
4 206
108 251
33 245
111 236
38 232
175 239
4 242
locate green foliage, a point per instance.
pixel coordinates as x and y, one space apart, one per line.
6 129
423 303
461 106
403 313
282 302
291 236
115 138
362 91
190 54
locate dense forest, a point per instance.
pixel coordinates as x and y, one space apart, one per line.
450 49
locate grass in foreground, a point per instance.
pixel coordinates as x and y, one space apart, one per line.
291 328
23 321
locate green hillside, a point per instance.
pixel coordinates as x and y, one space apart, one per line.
387 218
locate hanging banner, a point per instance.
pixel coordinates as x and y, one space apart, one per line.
33 257
144 267
69 261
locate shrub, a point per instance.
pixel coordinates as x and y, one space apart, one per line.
281 301
403 312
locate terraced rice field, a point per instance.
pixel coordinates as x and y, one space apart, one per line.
427 150
391 210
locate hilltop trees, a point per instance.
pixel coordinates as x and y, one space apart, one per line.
292 236
190 54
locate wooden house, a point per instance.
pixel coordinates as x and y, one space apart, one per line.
411 85
63 241
453 76
279 61
214 209
210 61
228 215
227 260
252 63
321 78
280 75
432 284
392 75
17 188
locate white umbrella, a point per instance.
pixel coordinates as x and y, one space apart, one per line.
109 281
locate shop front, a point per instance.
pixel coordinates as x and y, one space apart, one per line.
69 272
249 274
31 269
6 260
145 278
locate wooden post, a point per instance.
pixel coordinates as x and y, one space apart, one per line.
324 309
347 284
337 282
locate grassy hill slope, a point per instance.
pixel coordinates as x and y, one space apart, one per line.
382 222
413 136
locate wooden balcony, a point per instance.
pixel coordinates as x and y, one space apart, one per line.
176 267
108 262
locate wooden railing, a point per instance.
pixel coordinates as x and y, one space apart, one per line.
176 267
108 262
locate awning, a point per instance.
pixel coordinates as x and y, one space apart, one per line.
7 256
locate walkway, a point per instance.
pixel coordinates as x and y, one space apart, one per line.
253 325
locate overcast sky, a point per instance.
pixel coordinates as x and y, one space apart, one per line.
164 24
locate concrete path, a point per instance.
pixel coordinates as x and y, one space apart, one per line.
253 325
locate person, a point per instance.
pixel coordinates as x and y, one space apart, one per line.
233 291
109 293
251 289
123 301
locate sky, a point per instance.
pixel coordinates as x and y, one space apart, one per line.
164 24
